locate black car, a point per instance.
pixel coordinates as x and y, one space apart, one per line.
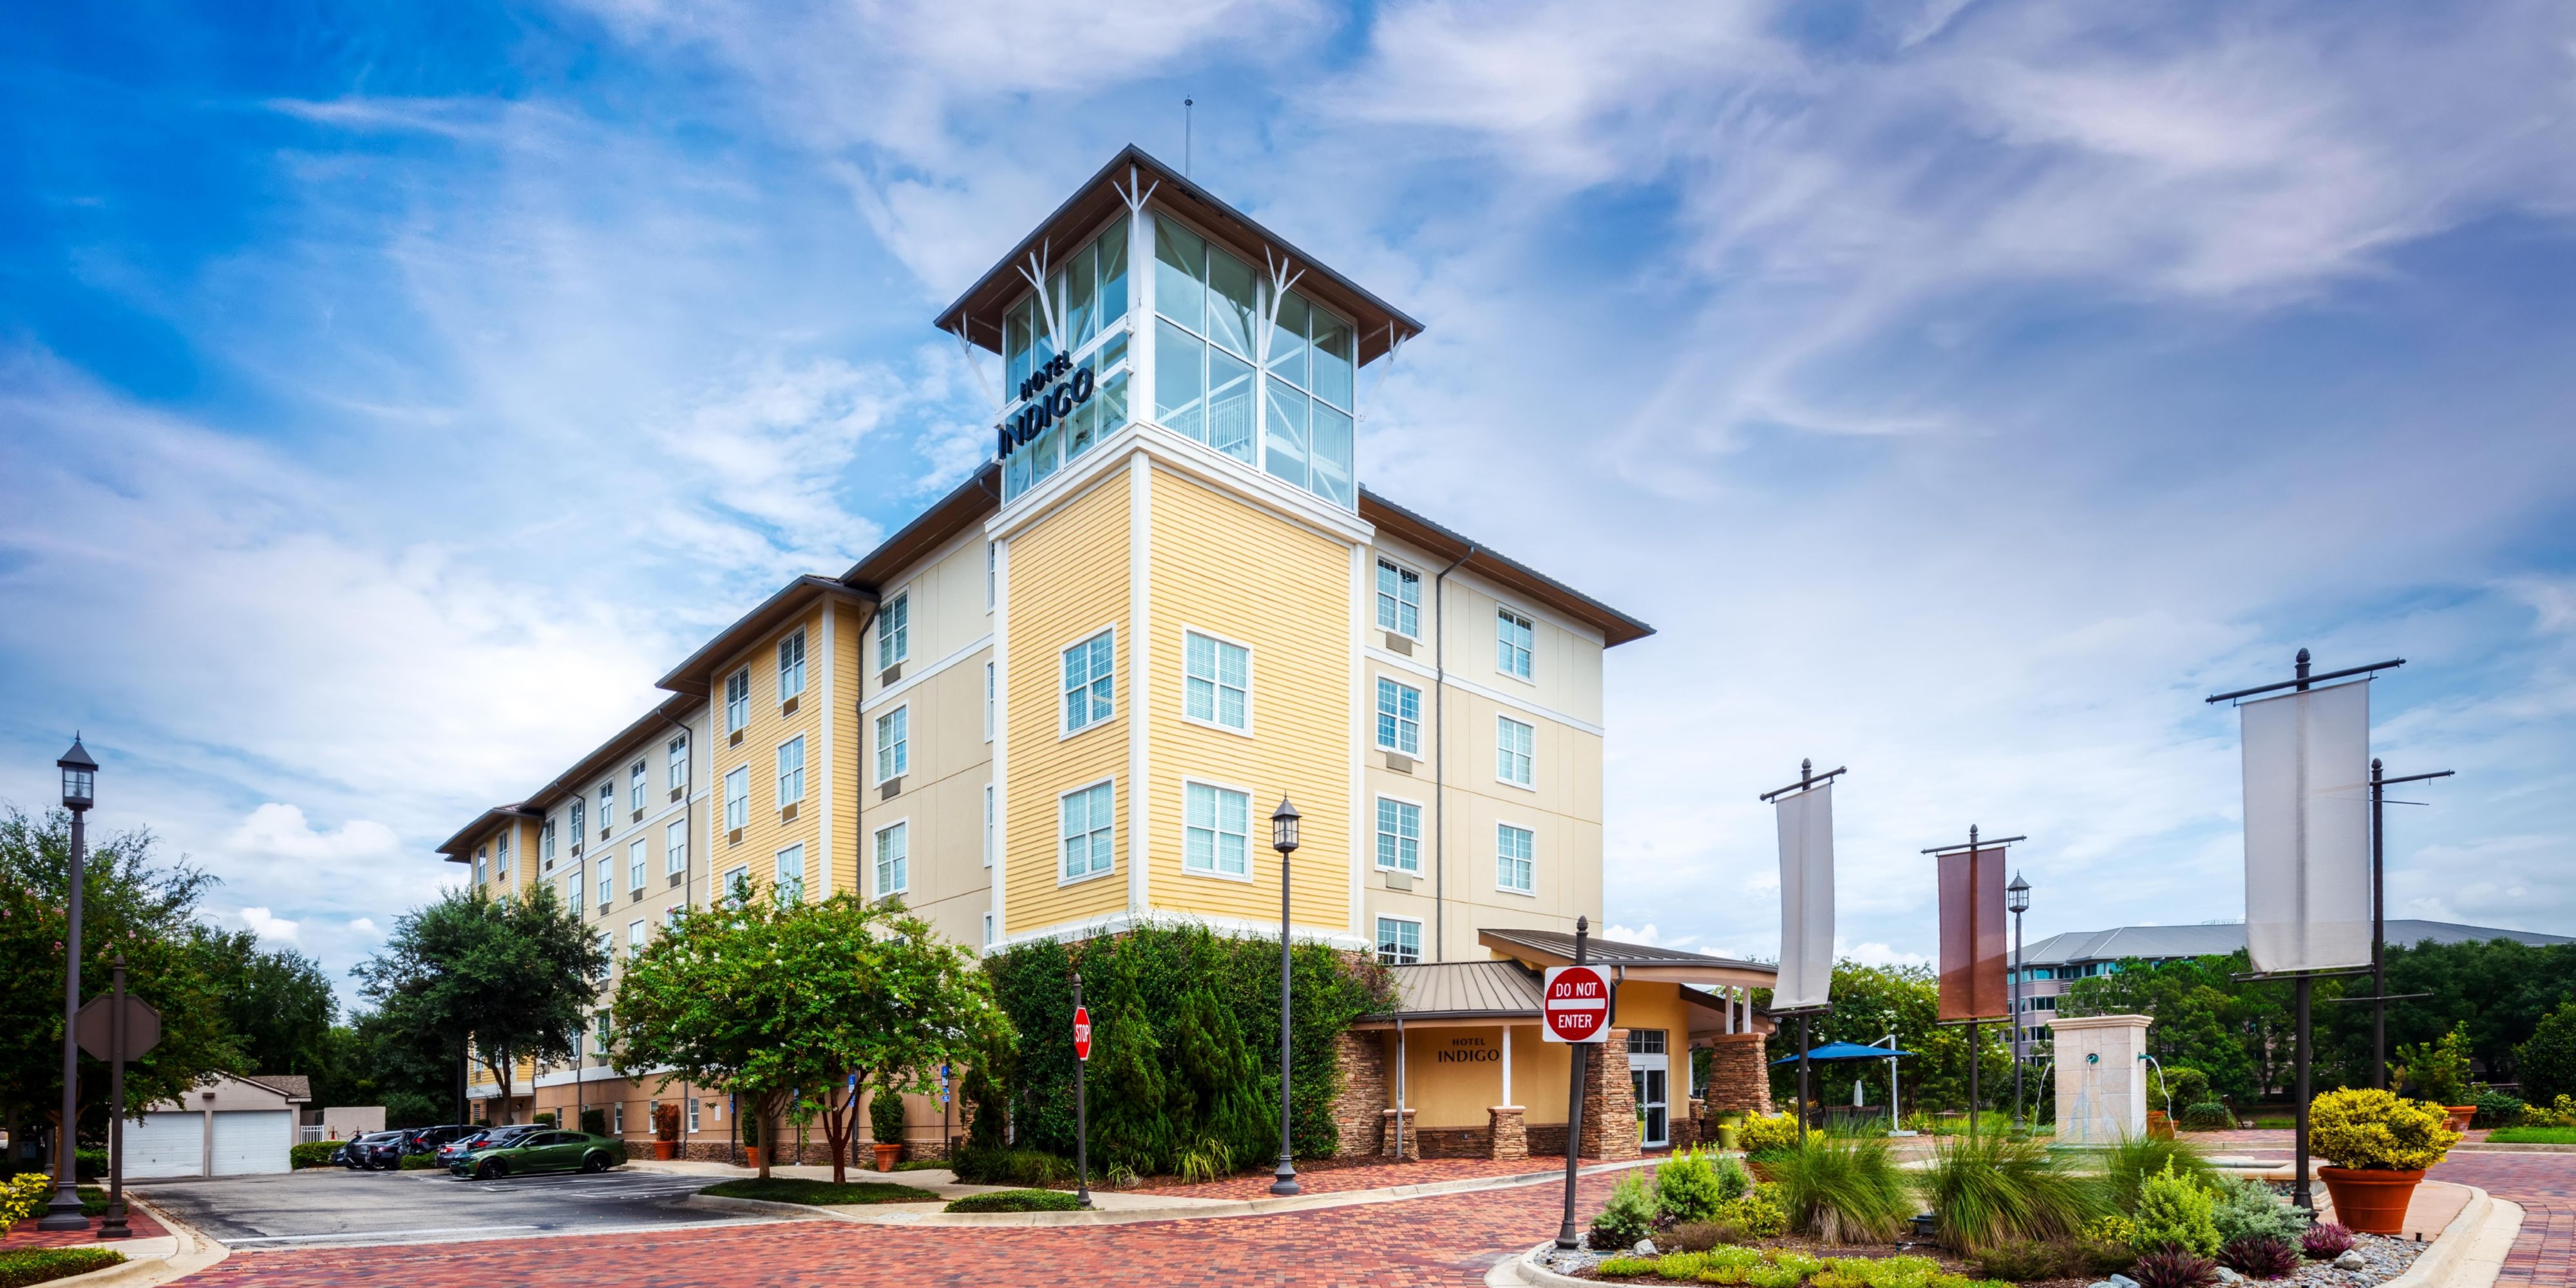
479 1137
428 1140
377 1151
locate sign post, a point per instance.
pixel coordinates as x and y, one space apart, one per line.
1081 1097
1574 1008
117 1028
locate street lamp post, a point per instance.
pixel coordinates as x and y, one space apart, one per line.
1283 838
2018 900
80 788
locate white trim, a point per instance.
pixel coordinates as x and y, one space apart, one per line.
1361 722
823 798
903 596
874 834
1171 451
1249 653
1373 714
1502 606
1532 784
997 886
1140 668
889 693
1373 832
1399 662
1116 704
1251 801
992 696
876 748
1496 854
1061 880
1417 924
803 886
1419 581
804 764
1240 927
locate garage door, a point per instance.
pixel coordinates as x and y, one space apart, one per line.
166 1144
252 1140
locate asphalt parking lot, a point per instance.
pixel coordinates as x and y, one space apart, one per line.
335 1208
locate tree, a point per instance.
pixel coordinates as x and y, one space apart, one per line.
2239 1033
773 999
2548 1059
508 979
132 907
277 1003
1869 1003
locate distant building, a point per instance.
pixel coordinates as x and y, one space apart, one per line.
2050 966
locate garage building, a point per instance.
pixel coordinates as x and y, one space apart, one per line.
227 1126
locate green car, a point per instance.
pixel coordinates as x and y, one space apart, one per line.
541 1151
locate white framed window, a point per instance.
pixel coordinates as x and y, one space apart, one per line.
1399 835
1399 599
692 1103
1513 637
893 852
992 571
546 841
607 870
1399 717
670 917
636 852
894 743
501 853
1291 416
991 819
1216 830
738 701
1090 687
617 1118
608 949
1515 748
607 808
791 666
894 631
1399 941
481 865
635 939
1514 848
576 1049
738 798
1216 681
675 847
576 814
791 771
637 780
572 890
602 1023
988 930
1087 825
992 692
678 773
790 867
736 885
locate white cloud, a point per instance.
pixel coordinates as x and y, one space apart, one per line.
267 926
1874 953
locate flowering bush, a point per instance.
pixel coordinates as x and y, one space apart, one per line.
23 1196
1761 1135
2367 1129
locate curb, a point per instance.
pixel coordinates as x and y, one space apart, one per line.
195 1253
1523 1272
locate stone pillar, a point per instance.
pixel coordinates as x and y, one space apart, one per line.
2101 1078
1357 1111
1508 1132
1609 1102
1387 1135
1739 1078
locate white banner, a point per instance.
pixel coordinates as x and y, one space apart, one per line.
2307 829
1806 899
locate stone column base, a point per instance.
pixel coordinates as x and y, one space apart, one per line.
1510 1133
1609 1102
1388 1133
1739 1076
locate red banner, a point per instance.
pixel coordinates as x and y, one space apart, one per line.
1973 952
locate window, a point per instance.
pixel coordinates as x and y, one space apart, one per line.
791 666
1089 294
894 631
481 859
991 692
576 820
738 701
607 808
1399 834
737 883
635 853
1512 850
678 773
1514 744
1088 823
603 1025
1399 941
1089 689
634 939
894 743
988 930
1399 717
1646 1042
692 1103
1217 681
617 1118
1399 599
675 847
1215 830
989 822
738 798
607 883
791 872
501 853
572 890
791 771
1512 639
636 781
671 917
893 859
1213 320
546 841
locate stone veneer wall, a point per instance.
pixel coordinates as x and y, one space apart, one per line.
1609 1102
1739 1078
1358 1113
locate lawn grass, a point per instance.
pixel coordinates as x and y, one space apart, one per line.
44 1265
2532 1136
780 1189
1017 1201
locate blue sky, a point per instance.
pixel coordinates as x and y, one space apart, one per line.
388 394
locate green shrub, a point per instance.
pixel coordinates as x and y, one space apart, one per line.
2533 1136
1990 1189
1018 1201
2208 1115
546 1119
595 1121
43 1265
89 1165
2184 1087
2496 1109
2111 1227
2127 1165
311 1153
2244 1208
1841 1189
2547 1061
1629 1214
1758 1213
23 1196
2438 1071
781 1189
2362 1128
1626 1267
419 1162
1688 1188
2174 1214
1763 1135
885 1115
1033 1168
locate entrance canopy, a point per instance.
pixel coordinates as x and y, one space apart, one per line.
1844 1051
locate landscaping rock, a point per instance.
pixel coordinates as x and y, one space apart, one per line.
1644 1248
2123 1281
2351 1260
2227 1276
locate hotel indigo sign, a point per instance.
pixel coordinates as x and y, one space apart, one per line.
1046 405
1576 1004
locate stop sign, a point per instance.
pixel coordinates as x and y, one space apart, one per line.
1082 1033
1576 1005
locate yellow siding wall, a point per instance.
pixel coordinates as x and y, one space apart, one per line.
851 746
765 833
1224 568
1068 578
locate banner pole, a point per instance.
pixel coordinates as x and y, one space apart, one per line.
1802 1079
2299 1196
1565 1236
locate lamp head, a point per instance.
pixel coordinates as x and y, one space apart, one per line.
1283 827
2017 894
80 776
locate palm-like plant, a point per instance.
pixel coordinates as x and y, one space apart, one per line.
2127 1165
1990 1189
1841 1189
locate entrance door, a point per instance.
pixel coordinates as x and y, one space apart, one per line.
1648 1074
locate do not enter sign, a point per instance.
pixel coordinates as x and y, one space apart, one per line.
1576 1005
1082 1033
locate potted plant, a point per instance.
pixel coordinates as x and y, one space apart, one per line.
885 1123
666 1129
2439 1072
2379 1143
1729 1124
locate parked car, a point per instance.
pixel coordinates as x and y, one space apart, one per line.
541 1150
477 1137
375 1151
427 1140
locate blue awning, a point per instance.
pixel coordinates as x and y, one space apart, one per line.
1844 1051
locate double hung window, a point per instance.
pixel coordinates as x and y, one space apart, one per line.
894 743
576 814
738 700
634 939
791 873
1088 823
572 890
675 847
791 771
635 856
501 854
1399 717
1216 830
1513 848
1512 640
637 780
546 841
893 859
1399 941
678 773
1090 684
737 798
894 631
607 808
1514 746
607 870
1399 599
736 884
791 666
1217 681
1399 835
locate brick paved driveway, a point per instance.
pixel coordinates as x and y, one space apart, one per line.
2544 1254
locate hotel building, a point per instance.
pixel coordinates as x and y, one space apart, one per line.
1064 700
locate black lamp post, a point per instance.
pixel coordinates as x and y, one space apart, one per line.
2017 898
1283 838
80 787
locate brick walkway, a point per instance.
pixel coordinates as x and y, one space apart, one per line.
26 1235
1329 1179
2544 1254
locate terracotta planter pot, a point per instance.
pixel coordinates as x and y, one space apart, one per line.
2371 1200
666 1149
2159 1127
2460 1115
888 1156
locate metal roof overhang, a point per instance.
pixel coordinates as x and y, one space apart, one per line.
1616 627
455 846
694 675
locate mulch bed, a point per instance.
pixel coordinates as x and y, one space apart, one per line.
1948 1260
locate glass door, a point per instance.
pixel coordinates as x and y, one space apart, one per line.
1648 1075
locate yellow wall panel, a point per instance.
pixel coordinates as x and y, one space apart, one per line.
765 832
